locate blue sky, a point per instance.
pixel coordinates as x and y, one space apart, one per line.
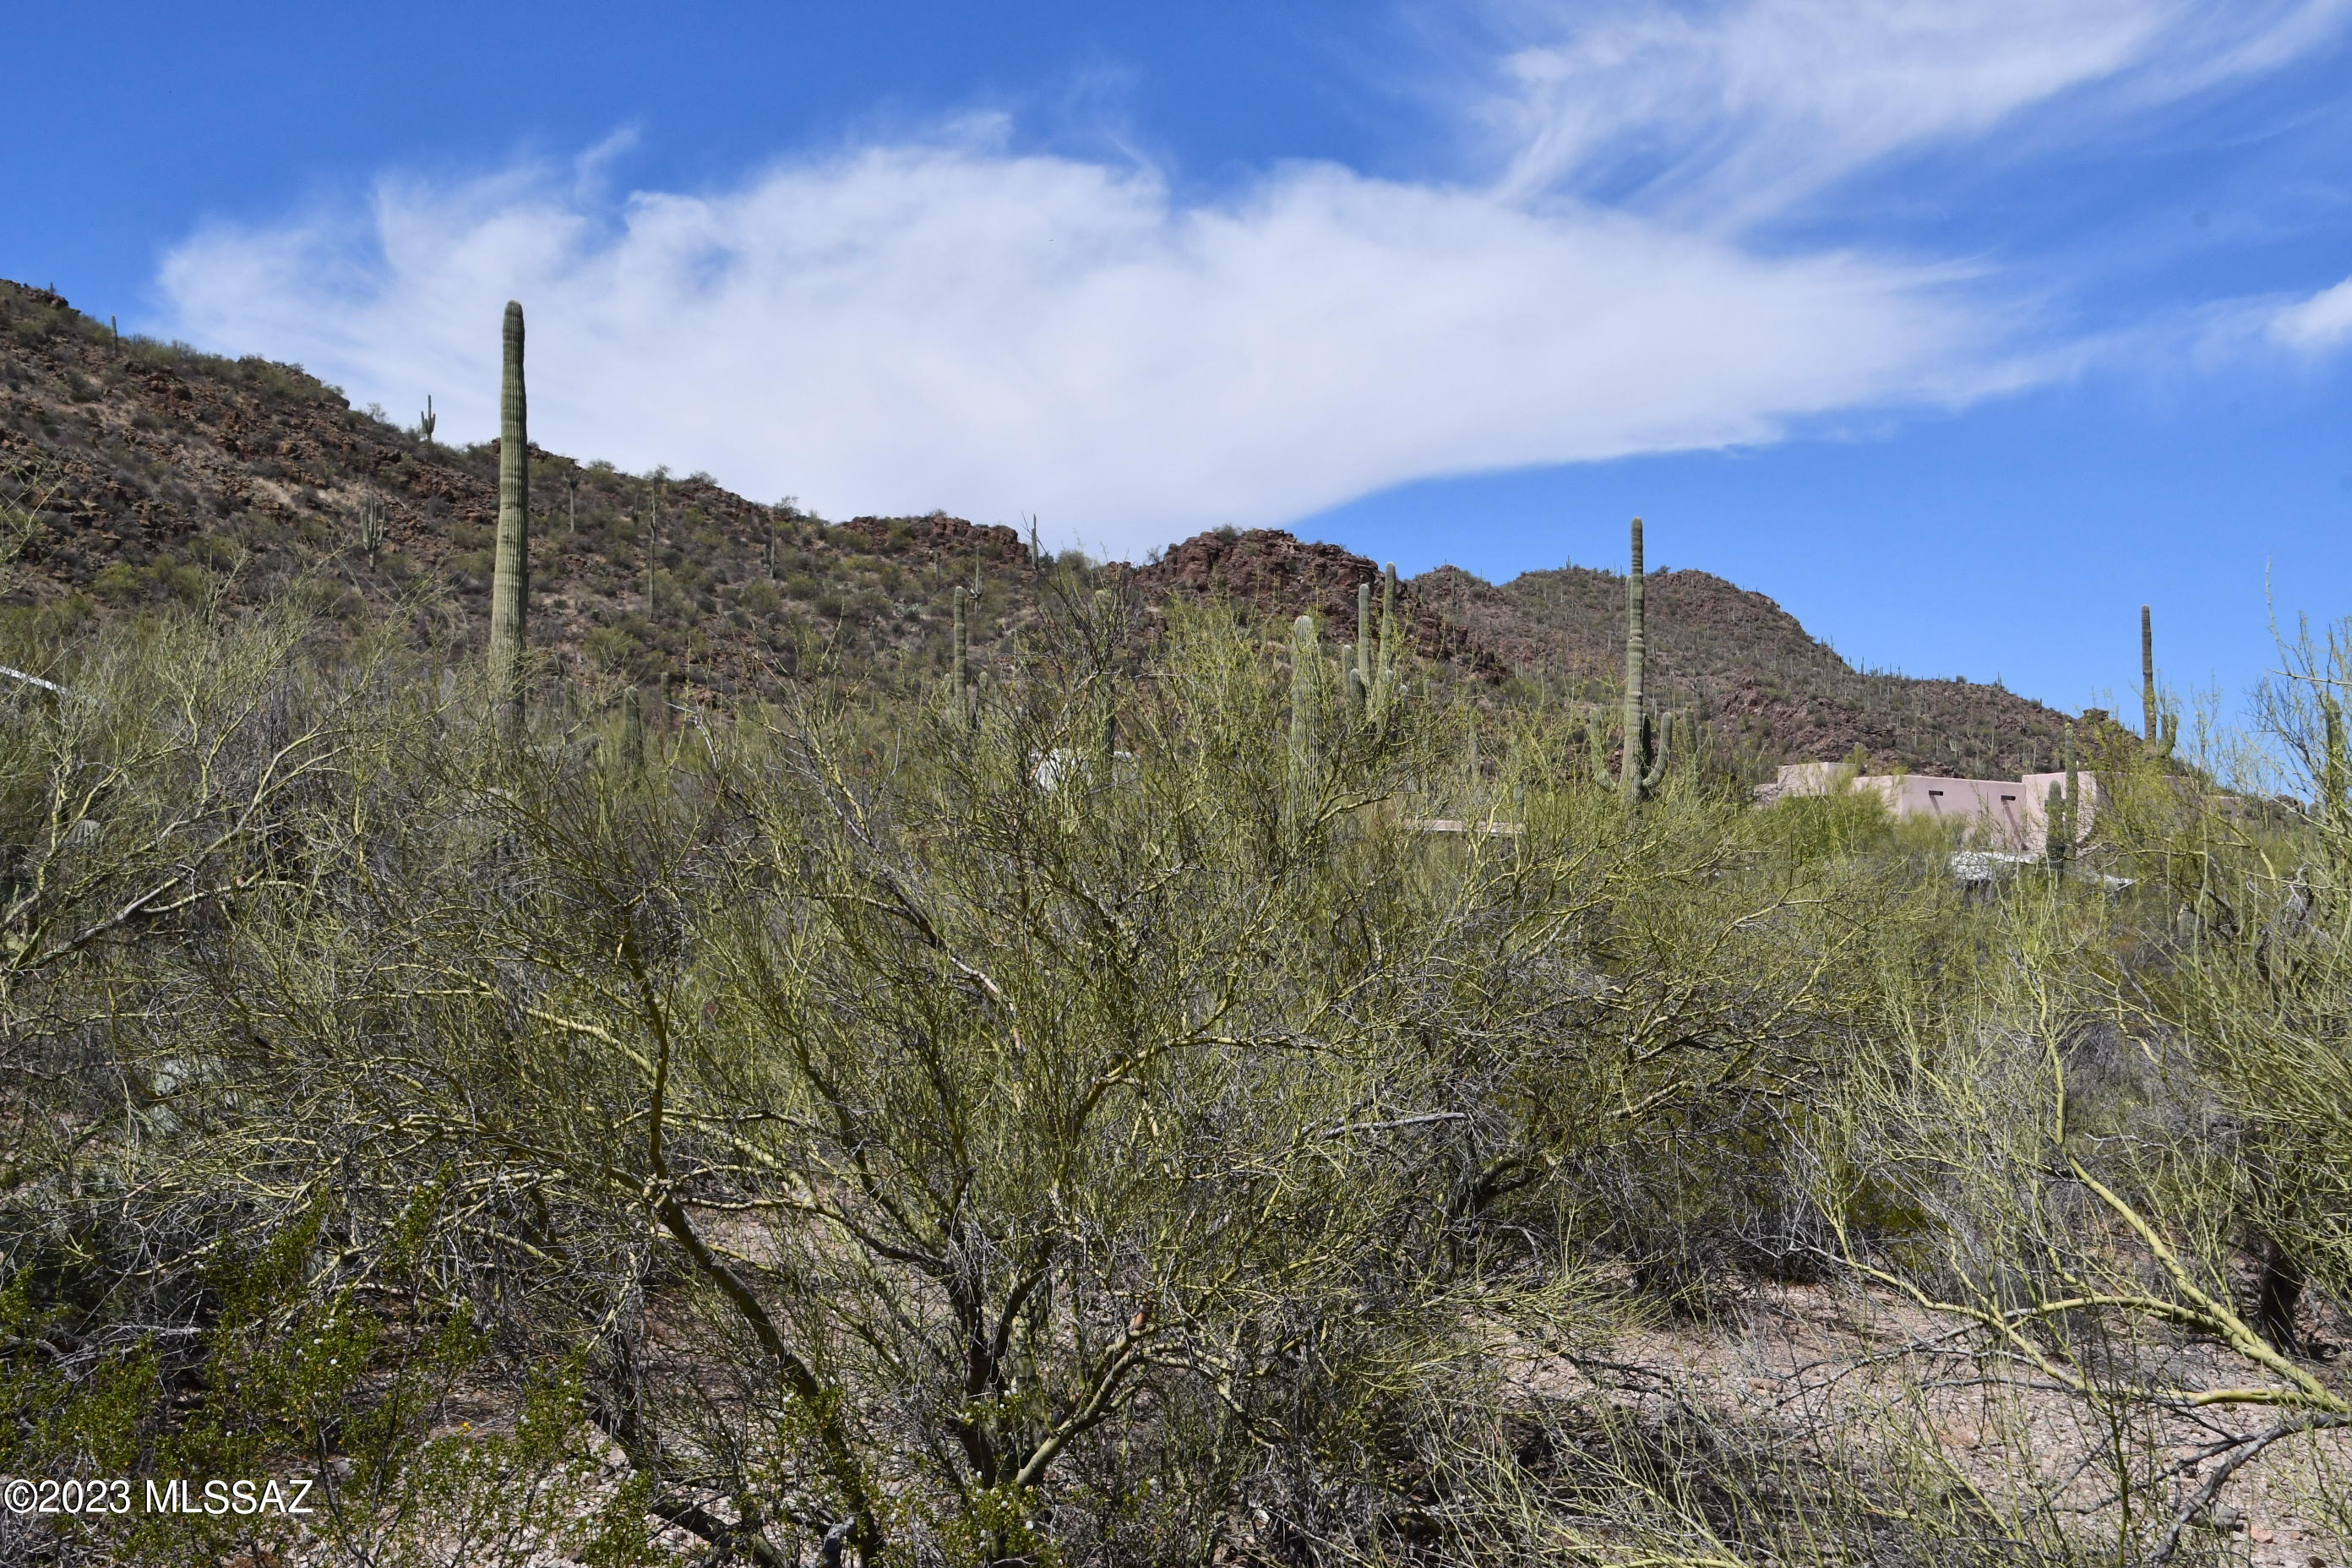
1960 327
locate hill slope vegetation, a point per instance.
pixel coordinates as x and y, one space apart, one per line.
147 471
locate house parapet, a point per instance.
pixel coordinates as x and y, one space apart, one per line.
2010 815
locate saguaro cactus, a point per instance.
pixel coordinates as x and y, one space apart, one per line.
510 573
1381 671
960 687
2162 730
1305 654
1636 655
371 535
2063 809
652 535
1642 765
425 421
633 729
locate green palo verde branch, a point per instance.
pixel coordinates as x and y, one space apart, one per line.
662 1193
2028 1332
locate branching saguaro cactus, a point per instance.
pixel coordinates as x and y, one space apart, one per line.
2162 730
370 531
510 573
1642 766
425 421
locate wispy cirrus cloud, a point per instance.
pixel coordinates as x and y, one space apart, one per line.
1721 114
2322 321
951 321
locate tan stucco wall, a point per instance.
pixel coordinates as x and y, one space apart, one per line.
2000 813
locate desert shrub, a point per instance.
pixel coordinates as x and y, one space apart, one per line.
1119 1122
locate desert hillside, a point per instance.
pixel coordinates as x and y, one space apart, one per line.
146 470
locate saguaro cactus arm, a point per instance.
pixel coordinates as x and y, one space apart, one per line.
510 572
1658 736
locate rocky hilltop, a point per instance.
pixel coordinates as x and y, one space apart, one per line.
133 472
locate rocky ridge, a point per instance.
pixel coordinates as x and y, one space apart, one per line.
138 471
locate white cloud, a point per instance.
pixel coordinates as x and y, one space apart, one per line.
1725 113
953 323
2322 321
952 326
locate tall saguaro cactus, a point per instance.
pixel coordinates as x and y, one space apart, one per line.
1637 649
1391 634
1306 658
2162 730
653 534
2063 826
1644 762
959 686
1379 670
510 573
633 730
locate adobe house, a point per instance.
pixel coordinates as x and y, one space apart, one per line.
1995 813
